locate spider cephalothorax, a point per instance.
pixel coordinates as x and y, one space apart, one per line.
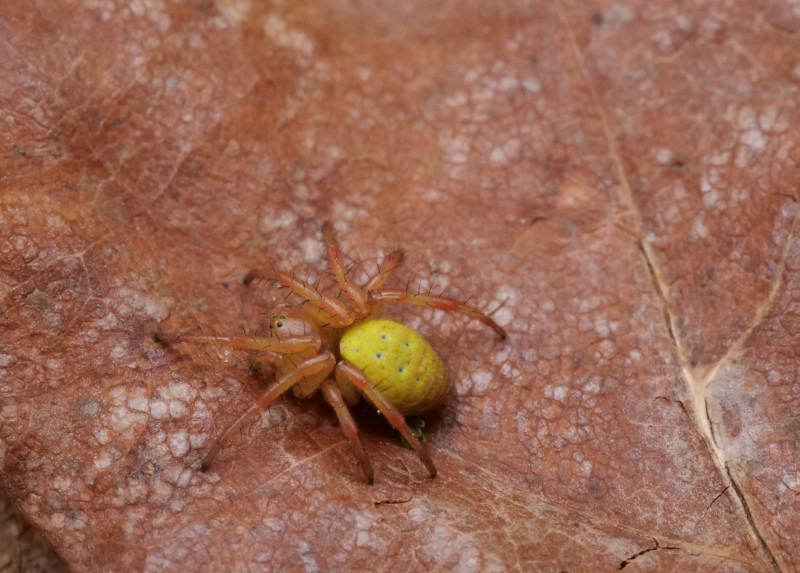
345 350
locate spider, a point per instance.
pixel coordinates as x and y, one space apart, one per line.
345 350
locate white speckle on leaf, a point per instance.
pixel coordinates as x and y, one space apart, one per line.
432 195
137 7
307 556
754 139
443 540
90 408
481 379
56 521
62 483
102 461
273 524
179 443
498 156
607 348
469 559
309 248
184 478
532 84
234 11
719 158
705 184
158 410
792 481
508 83
212 393
108 322
456 150
139 403
664 156
364 524
457 99
279 32
363 539
198 440
119 419
618 14
101 435
560 394
774 377
444 267
118 352
271 223
680 192
161 492
418 514
504 316
472 75
181 391
699 229
178 409
591 387
710 199
601 326
485 91
770 119
506 153
746 118
132 302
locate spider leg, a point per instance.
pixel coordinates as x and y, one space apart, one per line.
324 362
340 314
287 345
401 296
336 259
357 377
389 263
334 397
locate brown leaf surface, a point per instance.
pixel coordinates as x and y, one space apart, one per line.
620 177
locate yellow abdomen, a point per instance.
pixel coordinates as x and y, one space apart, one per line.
403 366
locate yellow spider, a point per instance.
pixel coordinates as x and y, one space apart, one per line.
390 364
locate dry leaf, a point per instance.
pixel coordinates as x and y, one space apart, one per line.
619 178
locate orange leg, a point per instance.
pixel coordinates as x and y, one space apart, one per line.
400 296
351 290
324 362
340 314
288 345
390 262
334 397
357 377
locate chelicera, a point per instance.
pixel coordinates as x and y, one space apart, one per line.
344 349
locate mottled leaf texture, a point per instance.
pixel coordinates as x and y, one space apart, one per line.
617 181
